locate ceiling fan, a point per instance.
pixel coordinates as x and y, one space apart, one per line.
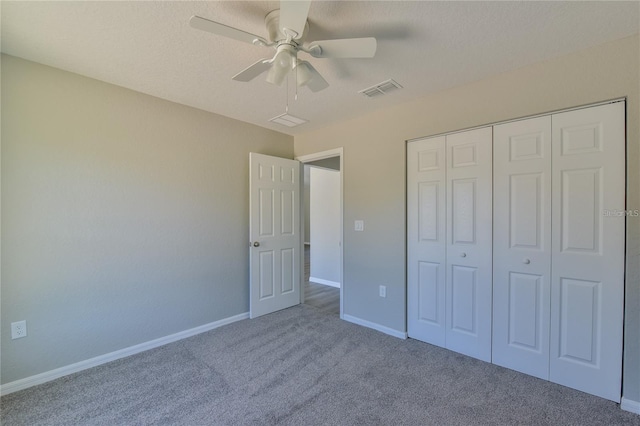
288 28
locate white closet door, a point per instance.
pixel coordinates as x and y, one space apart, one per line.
588 249
469 235
522 245
426 243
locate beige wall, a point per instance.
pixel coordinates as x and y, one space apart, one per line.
124 217
374 170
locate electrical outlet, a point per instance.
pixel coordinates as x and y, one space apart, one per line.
18 329
383 291
359 225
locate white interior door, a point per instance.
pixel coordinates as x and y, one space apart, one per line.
275 234
426 240
522 245
587 284
469 242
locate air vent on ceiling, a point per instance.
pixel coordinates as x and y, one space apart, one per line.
381 88
288 120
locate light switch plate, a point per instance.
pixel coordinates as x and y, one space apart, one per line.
383 291
359 225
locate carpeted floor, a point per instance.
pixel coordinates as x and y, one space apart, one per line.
304 366
323 297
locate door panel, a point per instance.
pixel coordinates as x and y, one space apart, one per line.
525 210
288 210
522 245
579 306
469 243
428 199
274 227
426 243
267 278
464 299
464 211
525 311
581 218
428 291
287 257
266 212
587 284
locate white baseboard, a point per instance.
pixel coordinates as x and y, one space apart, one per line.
112 356
375 326
630 405
324 282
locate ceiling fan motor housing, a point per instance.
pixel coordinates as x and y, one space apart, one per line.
272 22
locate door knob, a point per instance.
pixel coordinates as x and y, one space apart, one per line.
526 261
256 244
463 254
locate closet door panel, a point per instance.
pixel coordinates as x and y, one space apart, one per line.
469 221
587 284
522 245
426 244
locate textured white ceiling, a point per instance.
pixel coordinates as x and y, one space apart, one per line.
149 46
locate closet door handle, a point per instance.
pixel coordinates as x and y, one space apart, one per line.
526 261
463 254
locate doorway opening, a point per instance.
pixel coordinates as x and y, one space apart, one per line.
321 220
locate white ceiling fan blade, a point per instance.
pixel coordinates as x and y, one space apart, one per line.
345 48
317 83
293 15
253 70
225 31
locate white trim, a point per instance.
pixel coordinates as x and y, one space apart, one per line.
526 117
47 376
375 326
630 405
324 282
337 152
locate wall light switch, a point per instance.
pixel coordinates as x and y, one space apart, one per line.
359 225
383 291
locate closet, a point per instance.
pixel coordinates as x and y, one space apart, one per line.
449 241
555 251
559 259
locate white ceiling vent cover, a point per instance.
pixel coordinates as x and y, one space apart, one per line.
288 120
381 88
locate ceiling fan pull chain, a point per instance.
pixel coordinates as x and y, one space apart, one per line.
295 70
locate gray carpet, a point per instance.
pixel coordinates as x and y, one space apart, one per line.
303 366
323 297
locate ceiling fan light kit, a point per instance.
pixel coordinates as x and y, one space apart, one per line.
303 73
281 64
287 28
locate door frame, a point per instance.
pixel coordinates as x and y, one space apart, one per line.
308 158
